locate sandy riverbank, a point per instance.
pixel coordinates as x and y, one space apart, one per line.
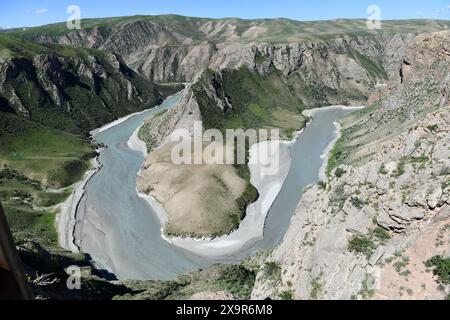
67 215
115 123
136 144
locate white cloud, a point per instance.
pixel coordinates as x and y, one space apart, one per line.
41 10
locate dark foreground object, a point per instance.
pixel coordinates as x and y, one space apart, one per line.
13 284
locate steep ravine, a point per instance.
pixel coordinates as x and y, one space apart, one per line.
74 94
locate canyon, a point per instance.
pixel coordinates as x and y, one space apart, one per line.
367 230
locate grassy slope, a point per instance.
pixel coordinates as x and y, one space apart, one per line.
258 102
343 147
270 30
32 158
37 151
13 47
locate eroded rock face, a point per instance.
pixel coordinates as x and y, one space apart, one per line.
164 52
50 86
396 182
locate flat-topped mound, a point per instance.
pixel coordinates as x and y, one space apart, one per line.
200 200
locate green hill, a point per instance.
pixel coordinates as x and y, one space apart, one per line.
241 30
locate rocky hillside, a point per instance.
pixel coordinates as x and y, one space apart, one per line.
176 48
74 90
379 227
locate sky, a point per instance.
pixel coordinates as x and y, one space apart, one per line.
28 13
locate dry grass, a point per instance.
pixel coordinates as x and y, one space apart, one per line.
191 194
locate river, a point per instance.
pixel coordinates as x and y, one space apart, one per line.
122 234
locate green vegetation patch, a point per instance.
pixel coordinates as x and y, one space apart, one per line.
32 159
286 295
361 244
272 270
339 172
381 234
335 158
54 158
420 161
255 101
441 268
316 288
237 280
366 244
26 223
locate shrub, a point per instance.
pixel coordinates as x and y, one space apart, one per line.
357 203
366 288
339 172
316 288
272 269
362 245
238 280
383 169
381 234
322 185
400 168
433 128
441 268
286 295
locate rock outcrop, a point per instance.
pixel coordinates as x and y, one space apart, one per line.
76 90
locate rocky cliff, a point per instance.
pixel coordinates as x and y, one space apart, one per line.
175 48
70 89
372 228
